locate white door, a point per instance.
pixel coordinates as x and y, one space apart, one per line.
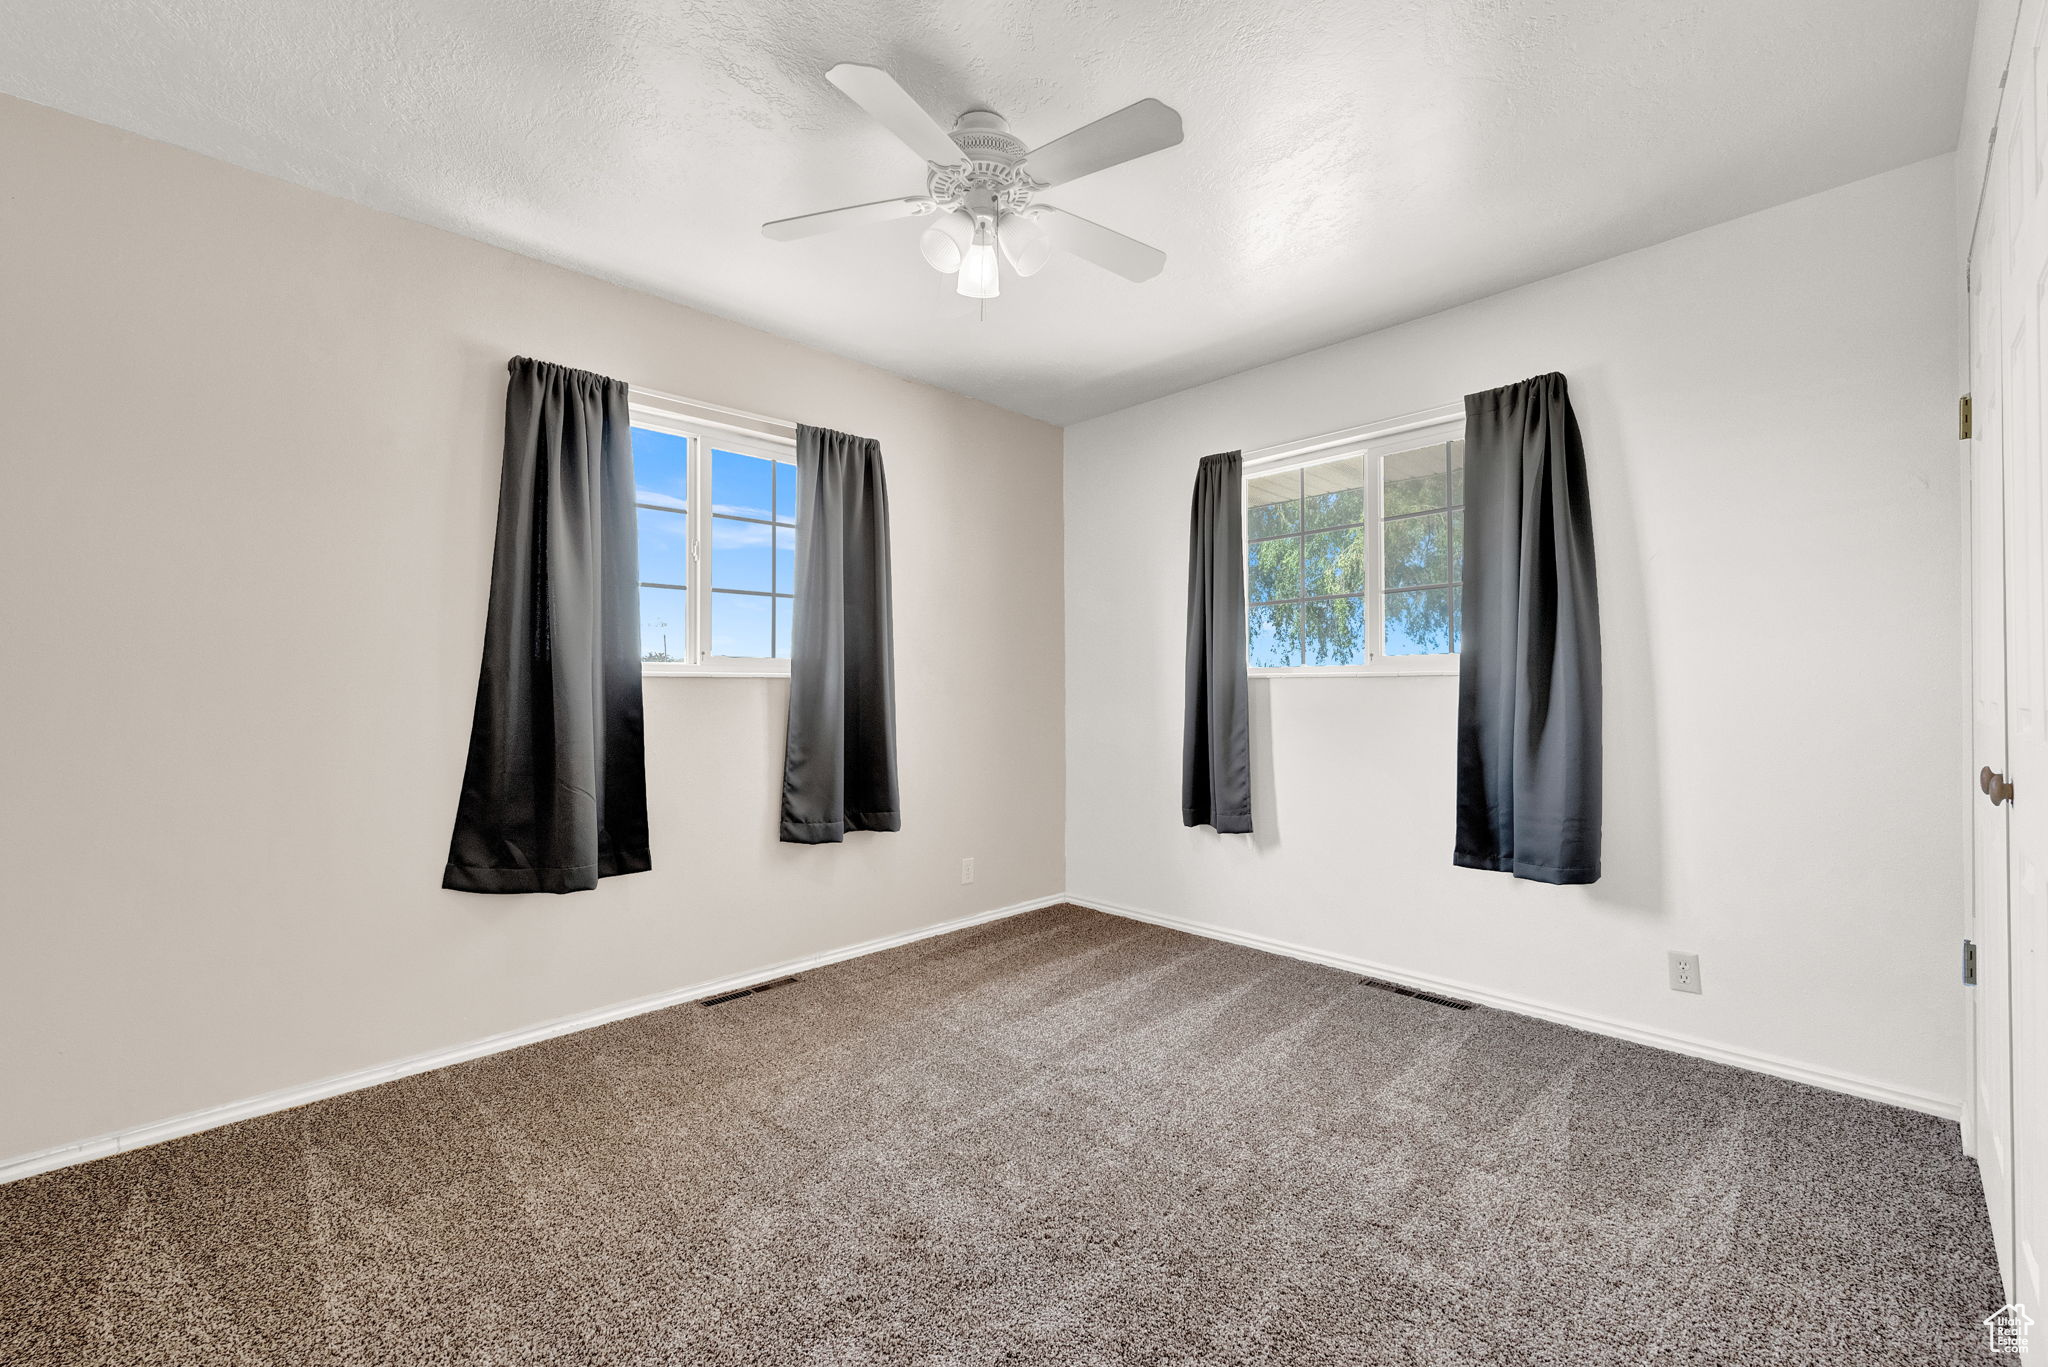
2015 260
1991 1038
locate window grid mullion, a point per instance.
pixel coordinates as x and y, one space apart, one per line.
1375 569
1301 560
1450 550
700 560
1305 598
1305 531
775 551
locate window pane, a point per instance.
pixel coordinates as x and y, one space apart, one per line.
1335 561
740 554
1275 569
1333 493
1414 480
1457 546
785 492
661 467
785 626
1272 505
1458 471
785 559
1275 635
1418 550
1336 631
664 546
740 625
1419 622
1457 619
663 613
743 486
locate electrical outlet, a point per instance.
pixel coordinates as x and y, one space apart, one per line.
1685 972
967 869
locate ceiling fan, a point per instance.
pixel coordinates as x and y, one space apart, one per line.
980 182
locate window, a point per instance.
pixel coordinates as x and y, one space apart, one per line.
1422 540
661 501
1354 553
717 531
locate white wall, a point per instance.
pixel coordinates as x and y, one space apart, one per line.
1768 415
249 443
1991 44
248 458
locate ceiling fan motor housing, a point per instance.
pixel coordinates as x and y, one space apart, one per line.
993 181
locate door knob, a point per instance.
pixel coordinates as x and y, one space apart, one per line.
1994 785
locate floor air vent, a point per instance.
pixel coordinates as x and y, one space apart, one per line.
725 997
1385 986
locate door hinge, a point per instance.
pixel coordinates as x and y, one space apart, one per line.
1963 418
1969 963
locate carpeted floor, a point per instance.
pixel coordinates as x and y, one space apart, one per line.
1056 1140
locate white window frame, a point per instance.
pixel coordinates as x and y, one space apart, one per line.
1375 441
705 426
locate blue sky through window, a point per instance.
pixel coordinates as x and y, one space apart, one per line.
753 554
661 491
661 468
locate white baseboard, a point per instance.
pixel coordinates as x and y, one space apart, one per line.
1948 1108
13 1169
27 1165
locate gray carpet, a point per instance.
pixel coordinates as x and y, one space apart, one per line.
1056 1140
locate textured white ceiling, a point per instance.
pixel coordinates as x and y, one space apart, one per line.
1347 165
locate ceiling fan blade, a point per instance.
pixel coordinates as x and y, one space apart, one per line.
852 216
890 105
1135 131
1126 256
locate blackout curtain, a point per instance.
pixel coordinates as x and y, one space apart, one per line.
1216 768
839 771
1529 662
555 793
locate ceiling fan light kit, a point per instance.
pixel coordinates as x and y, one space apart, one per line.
979 276
980 183
1026 246
945 243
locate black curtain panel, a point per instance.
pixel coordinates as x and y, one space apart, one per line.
839 771
555 793
1216 764
1529 661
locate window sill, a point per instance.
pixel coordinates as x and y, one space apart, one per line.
1433 670
771 669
